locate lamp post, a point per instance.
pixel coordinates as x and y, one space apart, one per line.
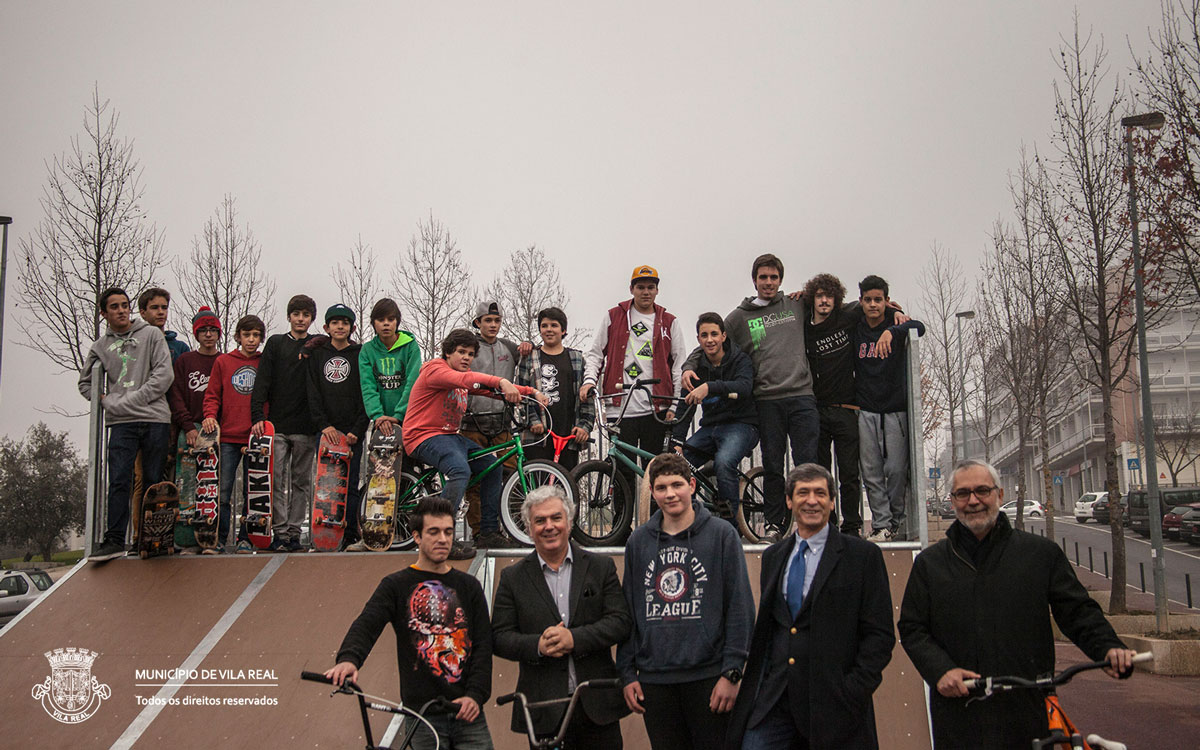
4 221
1149 121
962 373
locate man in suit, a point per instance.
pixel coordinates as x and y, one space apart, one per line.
558 612
823 634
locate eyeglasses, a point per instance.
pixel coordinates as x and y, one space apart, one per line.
982 492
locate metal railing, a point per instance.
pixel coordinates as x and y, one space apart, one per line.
95 513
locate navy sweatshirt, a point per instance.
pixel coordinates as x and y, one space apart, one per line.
283 383
881 383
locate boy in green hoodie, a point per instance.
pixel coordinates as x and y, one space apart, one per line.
387 368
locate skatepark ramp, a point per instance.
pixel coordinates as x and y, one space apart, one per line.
203 652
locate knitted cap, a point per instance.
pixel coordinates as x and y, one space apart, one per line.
205 318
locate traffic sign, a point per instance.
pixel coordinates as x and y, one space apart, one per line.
935 472
1058 479
1135 464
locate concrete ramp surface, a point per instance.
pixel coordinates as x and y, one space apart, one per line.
203 652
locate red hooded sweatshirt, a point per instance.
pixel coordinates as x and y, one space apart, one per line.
228 397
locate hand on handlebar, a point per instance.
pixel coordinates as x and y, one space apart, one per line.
1120 662
950 685
586 391
537 429
580 435
509 392
342 672
468 709
697 394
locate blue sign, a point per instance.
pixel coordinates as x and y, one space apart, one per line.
935 472
1135 464
1058 479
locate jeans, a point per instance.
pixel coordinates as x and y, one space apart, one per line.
291 483
781 420
231 459
124 442
839 427
353 493
454 734
883 446
448 454
484 440
726 445
677 716
646 433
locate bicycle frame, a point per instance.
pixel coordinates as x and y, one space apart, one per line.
571 700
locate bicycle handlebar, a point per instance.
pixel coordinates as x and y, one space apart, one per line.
1011 682
572 700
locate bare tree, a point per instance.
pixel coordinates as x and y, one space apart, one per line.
224 272
1082 211
359 285
95 235
529 283
432 283
943 294
1177 430
985 402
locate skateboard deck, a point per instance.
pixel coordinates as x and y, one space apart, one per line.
185 470
258 464
328 517
206 458
156 534
379 501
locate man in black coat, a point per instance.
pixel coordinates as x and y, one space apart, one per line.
558 612
823 635
979 603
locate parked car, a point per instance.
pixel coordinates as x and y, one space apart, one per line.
1083 506
1189 526
19 589
1032 510
1168 497
1103 513
1173 520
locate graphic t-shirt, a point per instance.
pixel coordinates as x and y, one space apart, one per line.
443 634
192 371
556 379
639 359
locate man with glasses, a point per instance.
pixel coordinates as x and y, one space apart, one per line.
978 603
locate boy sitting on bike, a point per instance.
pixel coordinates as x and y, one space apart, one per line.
435 411
729 428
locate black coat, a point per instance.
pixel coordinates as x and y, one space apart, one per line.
845 633
994 618
599 619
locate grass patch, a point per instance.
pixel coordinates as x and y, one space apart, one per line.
1186 634
65 557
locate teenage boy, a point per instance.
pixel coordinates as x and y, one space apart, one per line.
685 583
154 305
335 397
387 368
436 407
192 372
555 370
486 421
729 428
227 403
443 635
637 339
881 387
283 385
137 369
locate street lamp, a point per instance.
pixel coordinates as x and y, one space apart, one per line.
962 373
1149 121
4 221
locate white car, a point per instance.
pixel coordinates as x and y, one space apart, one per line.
1032 510
1083 506
18 589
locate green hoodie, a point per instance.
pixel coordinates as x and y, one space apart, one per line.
387 375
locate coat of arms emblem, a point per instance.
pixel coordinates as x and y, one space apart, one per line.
71 694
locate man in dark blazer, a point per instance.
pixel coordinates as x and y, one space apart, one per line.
558 613
823 634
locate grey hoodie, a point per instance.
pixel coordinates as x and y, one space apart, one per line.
484 413
690 598
137 369
773 336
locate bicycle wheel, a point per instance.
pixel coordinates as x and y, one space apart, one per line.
605 505
537 473
751 515
403 538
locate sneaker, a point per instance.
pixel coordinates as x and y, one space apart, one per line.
187 550
244 547
295 546
773 534
277 545
359 546
493 540
880 535
108 551
218 550
461 551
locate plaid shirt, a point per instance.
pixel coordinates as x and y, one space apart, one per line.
585 412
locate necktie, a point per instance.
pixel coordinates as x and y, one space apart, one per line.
795 585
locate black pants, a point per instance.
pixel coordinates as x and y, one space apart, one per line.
677 716
839 427
585 734
646 433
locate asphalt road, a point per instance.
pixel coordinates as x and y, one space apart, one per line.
1180 559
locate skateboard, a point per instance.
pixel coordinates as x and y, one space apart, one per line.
156 534
207 460
328 519
379 501
257 465
185 470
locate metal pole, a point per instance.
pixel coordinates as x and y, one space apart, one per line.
5 221
95 476
1151 465
962 386
916 518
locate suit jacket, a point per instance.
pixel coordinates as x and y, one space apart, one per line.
830 658
599 619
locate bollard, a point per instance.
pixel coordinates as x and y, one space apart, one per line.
1106 564
1187 579
1064 545
1076 554
1142 572
1091 562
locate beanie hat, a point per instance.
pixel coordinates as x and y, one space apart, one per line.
205 318
339 311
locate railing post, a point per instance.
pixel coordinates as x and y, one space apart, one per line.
94 513
916 517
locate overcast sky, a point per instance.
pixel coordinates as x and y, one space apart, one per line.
843 136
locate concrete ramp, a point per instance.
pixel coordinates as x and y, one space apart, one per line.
203 652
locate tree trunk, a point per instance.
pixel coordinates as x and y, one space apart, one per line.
1047 481
1022 457
1116 602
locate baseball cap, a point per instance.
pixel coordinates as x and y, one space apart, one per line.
644 273
339 311
487 307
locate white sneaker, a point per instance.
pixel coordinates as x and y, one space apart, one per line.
880 535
